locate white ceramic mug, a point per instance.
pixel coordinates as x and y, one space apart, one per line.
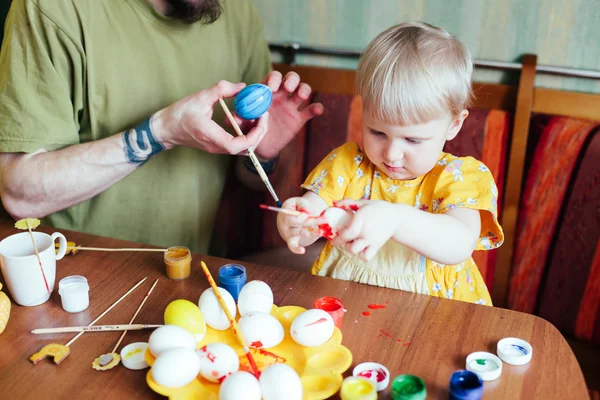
21 269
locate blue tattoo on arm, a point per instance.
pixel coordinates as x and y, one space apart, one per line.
140 144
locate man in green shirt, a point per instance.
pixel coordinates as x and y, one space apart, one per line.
107 110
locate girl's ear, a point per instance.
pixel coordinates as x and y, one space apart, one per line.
456 124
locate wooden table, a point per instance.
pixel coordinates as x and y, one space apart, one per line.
428 337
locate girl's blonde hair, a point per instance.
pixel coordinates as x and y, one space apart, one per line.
414 73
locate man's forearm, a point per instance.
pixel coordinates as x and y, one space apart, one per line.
41 183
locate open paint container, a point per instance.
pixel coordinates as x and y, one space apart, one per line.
178 262
74 293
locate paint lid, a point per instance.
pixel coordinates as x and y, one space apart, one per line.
487 365
133 356
375 372
408 387
357 388
465 385
514 351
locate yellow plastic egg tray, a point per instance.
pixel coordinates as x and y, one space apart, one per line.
320 368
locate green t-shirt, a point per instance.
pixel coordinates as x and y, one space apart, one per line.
81 70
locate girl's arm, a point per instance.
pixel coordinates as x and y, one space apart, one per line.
292 228
448 238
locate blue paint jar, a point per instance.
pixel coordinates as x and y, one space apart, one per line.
232 277
465 385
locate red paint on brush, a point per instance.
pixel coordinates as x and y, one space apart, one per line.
377 306
257 344
319 321
366 313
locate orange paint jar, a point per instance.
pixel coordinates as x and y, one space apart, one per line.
178 262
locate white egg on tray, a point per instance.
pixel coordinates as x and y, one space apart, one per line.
255 296
261 330
211 309
312 328
176 367
218 361
280 381
169 337
241 385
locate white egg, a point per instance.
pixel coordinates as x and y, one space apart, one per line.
280 382
261 330
255 296
170 337
176 367
211 309
312 328
240 386
337 219
217 361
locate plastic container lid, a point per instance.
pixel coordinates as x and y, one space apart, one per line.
374 372
487 365
133 356
72 284
408 387
514 351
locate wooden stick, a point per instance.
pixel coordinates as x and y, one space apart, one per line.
37 255
135 315
109 249
282 210
95 328
106 311
234 324
255 162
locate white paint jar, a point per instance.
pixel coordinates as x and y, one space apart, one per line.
74 293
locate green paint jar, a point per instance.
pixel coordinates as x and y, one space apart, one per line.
408 387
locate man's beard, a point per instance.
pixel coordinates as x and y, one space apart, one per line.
190 11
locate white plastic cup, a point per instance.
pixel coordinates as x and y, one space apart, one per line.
74 293
21 268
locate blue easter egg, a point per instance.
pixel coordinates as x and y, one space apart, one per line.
253 101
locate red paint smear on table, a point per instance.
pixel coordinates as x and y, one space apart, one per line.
386 333
377 306
366 313
398 340
406 344
319 321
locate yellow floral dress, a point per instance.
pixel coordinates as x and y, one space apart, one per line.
453 182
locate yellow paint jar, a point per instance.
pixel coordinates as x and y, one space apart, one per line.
358 388
178 262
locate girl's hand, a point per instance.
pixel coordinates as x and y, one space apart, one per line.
374 223
294 228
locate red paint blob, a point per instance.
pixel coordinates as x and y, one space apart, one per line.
398 340
326 231
406 344
257 344
366 313
381 375
353 207
377 306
